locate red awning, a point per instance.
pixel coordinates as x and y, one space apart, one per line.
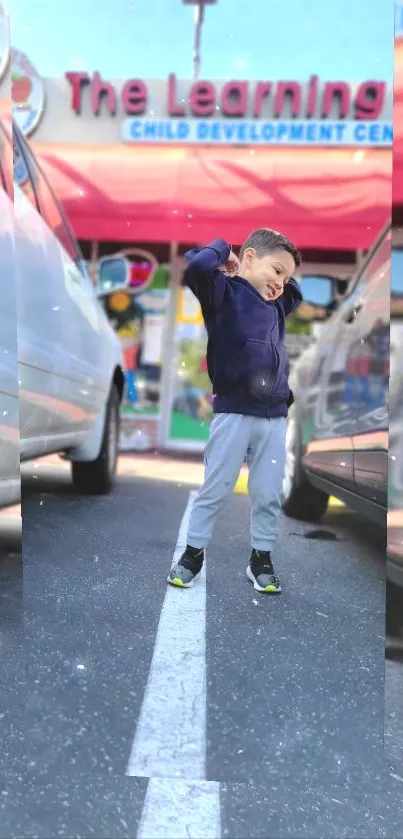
321 198
398 125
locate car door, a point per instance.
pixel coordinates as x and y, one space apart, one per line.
327 418
338 447
82 376
38 321
371 392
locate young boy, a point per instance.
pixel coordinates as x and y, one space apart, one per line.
244 303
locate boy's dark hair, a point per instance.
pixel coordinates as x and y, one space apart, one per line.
265 241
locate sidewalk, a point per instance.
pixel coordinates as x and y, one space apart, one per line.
179 470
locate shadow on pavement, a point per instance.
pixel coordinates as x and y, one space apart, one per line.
11 590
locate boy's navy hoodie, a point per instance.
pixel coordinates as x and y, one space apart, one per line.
246 357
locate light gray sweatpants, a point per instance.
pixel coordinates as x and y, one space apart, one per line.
232 438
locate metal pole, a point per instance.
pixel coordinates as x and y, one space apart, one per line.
199 18
168 372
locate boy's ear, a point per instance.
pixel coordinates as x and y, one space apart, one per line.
249 253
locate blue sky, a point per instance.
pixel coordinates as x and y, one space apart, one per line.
268 39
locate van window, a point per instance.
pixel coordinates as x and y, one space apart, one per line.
51 213
396 278
49 208
379 257
6 163
22 176
2 170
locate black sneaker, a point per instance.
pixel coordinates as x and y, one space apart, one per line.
188 569
260 572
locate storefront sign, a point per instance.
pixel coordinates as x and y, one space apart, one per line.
258 132
235 112
232 99
27 93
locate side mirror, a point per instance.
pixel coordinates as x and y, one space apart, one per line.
317 290
318 293
113 274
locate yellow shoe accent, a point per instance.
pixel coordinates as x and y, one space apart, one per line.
271 589
177 582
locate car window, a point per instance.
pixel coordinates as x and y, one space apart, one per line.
49 207
22 175
379 257
2 169
396 283
396 276
50 211
6 163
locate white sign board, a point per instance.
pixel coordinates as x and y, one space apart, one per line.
256 132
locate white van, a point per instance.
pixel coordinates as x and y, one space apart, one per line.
9 423
70 366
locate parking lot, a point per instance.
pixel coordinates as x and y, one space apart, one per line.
263 715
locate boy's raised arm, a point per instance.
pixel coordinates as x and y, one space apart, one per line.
291 297
202 275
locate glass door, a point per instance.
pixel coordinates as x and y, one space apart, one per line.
191 402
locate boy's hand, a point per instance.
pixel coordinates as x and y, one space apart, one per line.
232 266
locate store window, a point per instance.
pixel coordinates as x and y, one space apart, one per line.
378 261
32 181
51 212
192 404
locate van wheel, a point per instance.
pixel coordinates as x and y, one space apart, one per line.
300 500
97 477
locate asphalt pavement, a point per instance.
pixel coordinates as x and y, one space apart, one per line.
293 732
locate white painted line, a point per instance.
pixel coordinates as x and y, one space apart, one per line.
170 742
170 739
181 809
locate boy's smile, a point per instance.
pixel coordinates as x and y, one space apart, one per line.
268 274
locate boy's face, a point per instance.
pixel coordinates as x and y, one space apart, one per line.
268 274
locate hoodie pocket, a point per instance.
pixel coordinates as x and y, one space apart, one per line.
256 368
267 370
281 388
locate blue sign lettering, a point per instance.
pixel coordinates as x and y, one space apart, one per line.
360 132
150 130
215 133
296 131
202 130
183 130
259 132
340 129
229 130
325 133
282 130
242 132
267 131
311 132
135 129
